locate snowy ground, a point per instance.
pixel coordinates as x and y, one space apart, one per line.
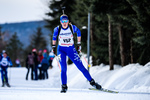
133 82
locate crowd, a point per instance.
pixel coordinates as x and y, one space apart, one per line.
39 63
36 62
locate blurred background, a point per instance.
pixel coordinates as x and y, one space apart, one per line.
119 29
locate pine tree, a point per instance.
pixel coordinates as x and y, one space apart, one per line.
56 11
140 21
37 41
117 10
2 42
14 48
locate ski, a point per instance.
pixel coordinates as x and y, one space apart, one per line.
104 90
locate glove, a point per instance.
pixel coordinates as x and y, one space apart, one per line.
10 64
54 49
79 47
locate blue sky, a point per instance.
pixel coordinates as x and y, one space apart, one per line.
22 10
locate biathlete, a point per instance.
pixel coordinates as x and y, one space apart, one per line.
5 61
66 47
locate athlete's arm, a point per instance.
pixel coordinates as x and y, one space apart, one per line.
10 62
55 36
76 30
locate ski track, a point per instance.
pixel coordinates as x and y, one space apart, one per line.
23 93
22 89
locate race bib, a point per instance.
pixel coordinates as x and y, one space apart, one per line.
4 62
66 38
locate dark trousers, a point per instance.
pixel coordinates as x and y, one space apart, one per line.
28 68
44 71
36 72
44 74
40 73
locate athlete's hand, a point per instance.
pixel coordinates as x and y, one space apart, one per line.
54 49
79 47
10 64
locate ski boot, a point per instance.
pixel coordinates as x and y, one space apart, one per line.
95 85
64 89
7 84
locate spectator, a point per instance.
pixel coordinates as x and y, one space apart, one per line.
29 65
40 57
34 52
17 63
45 66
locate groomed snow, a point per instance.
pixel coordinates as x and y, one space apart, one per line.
133 82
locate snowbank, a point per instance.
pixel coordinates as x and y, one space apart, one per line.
133 77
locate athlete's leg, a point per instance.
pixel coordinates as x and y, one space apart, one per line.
73 55
6 77
63 64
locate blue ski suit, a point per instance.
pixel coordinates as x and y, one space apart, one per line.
4 63
66 48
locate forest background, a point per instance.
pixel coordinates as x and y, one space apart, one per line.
119 31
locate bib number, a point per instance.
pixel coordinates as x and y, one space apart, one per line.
66 40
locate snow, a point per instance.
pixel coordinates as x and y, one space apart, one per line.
132 81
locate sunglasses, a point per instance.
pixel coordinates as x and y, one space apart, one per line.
64 21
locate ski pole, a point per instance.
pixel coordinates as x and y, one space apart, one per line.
85 59
87 62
